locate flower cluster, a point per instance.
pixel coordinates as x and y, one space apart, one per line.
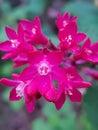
51 72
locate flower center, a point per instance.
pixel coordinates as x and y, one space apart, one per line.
69 76
15 43
43 68
64 23
69 39
88 52
33 30
20 89
68 92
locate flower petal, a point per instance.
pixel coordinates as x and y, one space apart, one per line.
59 103
15 76
36 57
58 74
50 95
13 96
28 73
6 46
55 57
80 84
30 106
80 37
9 82
8 55
20 32
71 29
10 33
44 83
29 101
76 96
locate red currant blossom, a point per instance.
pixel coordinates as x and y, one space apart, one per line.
70 37
64 20
88 52
33 32
16 45
70 87
51 72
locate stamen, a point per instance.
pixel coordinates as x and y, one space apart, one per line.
69 76
69 39
69 92
33 30
64 23
15 43
20 89
43 68
88 51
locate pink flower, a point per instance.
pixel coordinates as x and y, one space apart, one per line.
38 79
70 87
87 52
64 20
22 89
33 32
44 67
50 73
16 44
70 37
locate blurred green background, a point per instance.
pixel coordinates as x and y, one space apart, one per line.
72 116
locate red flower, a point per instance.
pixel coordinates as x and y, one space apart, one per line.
33 32
64 20
21 88
38 79
70 37
50 72
70 87
44 67
16 45
87 52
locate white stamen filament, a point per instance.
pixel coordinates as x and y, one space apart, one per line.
69 92
44 68
69 39
88 51
33 30
64 23
20 89
15 43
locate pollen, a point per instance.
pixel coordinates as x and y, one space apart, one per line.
69 39
88 52
43 68
33 30
15 43
69 92
20 90
69 76
64 23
